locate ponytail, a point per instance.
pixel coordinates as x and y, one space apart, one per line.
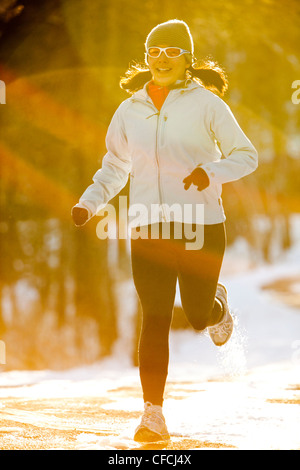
135 78
209 74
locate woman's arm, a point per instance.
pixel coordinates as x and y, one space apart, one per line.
113 175
240 155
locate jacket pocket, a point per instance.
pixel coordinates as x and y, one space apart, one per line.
213 192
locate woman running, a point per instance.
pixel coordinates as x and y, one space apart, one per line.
179 142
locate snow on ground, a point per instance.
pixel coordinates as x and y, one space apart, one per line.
244 395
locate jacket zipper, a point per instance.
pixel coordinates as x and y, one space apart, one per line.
162 140
158 114
158 169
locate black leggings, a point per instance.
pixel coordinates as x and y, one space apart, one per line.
156 266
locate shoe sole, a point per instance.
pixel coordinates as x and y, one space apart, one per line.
146 435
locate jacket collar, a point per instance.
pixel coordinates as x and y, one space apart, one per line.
185 85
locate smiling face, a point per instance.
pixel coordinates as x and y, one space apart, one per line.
166 71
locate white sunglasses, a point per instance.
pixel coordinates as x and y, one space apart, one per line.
171 52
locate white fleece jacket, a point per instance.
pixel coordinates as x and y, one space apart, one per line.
159 149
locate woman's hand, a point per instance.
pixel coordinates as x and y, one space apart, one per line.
80 215
198 177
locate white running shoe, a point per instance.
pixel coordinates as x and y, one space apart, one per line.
152 427
221 332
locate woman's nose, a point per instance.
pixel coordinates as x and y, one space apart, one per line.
163 57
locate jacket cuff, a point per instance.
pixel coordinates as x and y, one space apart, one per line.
208 171
85 205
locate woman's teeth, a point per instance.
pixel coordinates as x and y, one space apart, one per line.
163 70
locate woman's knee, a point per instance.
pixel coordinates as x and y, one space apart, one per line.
156 325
